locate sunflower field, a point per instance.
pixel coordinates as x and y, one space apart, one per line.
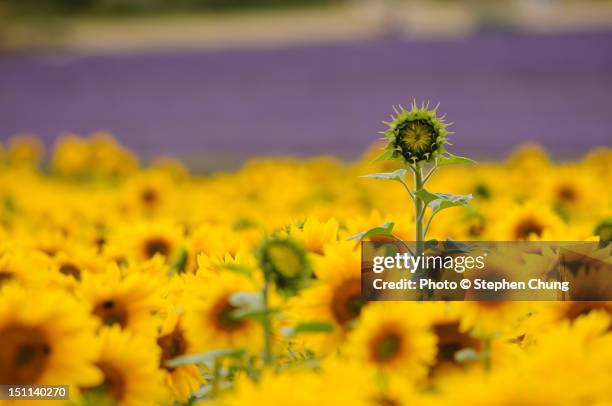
146 285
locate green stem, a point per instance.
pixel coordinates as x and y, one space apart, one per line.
216 378
419 211
267 326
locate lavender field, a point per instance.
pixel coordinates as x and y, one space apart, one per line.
229 104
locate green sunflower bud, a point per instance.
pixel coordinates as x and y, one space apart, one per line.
416 135
285 262
604 230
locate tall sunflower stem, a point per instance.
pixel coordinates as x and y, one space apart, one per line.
419 234
216 378
267 325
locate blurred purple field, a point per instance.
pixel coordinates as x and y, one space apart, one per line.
500 90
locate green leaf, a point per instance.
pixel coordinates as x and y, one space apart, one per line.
246 299
249 305
241 269
456 246
385 156
181 262
451 159
314 327
204 357
309 327
446 200
441 201
467 355
385 230
258 314
395 175
425 195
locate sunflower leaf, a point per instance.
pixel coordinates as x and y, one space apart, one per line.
467 355
425 195
441 201
309 327
385 156
395 175
181 262
204 357
385 230
246 299
451 159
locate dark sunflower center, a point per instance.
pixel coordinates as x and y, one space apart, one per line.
6 276
111 312
71 270
577 309
114 383
223 316
567 194
346 301
416 140
482 191
149 196
527 227
155 246
24 354
451 340
100 242
385 347
172 345
476 230
385 400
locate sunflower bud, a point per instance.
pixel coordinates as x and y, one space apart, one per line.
416 135
604 230
284 261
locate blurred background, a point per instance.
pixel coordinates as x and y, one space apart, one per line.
214 82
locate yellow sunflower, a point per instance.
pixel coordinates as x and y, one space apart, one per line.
573 357
182 381
128 301
314 235
24 150
503 387
526 222
23 267
335 296
394 337
129 365
144 240
211 265
148 193
214 241
47 338
209 322
445 321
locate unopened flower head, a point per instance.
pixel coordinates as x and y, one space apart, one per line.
416 135
285 261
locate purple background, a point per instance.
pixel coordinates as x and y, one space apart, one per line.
500 90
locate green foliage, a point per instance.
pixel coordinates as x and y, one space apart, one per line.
285 263
397 175
205 357
441 201
386 230
309 327
450 159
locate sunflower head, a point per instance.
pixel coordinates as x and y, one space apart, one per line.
604 230
416 135
285 262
